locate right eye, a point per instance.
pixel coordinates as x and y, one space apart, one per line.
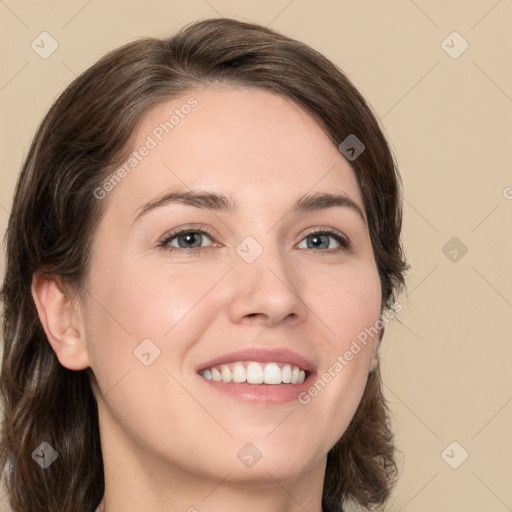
185 240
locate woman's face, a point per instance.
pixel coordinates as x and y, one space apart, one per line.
251 284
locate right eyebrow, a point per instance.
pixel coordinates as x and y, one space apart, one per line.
200 199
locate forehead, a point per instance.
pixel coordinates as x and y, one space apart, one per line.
248 142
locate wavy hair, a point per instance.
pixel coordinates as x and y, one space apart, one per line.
85 134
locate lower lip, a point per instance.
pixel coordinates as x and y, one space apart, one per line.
264 394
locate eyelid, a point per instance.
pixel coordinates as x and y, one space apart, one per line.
327 230
195 228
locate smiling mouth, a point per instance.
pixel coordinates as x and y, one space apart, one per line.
253 372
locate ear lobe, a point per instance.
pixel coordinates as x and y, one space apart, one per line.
61 320
375 350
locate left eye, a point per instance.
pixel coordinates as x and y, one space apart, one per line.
320 240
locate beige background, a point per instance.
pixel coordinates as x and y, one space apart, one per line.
447 364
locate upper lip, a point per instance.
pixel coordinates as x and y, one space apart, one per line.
261 355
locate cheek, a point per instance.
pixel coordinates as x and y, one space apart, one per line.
169 306
346 301
348 306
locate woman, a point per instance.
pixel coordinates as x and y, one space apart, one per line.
203 247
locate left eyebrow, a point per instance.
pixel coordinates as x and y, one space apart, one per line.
219 202
324 200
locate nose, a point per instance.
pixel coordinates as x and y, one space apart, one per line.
267 291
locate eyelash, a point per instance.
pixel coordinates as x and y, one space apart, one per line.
340 238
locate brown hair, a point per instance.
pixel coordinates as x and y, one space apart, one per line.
86 133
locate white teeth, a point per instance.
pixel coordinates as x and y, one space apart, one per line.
226 374
287 374
295 375
239 374
273 374
255 373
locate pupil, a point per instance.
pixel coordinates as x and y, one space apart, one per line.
316 241
190 238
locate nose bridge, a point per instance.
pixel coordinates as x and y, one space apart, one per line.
265 283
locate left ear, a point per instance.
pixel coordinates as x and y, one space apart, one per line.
375 350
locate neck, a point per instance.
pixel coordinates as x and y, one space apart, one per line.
214 497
